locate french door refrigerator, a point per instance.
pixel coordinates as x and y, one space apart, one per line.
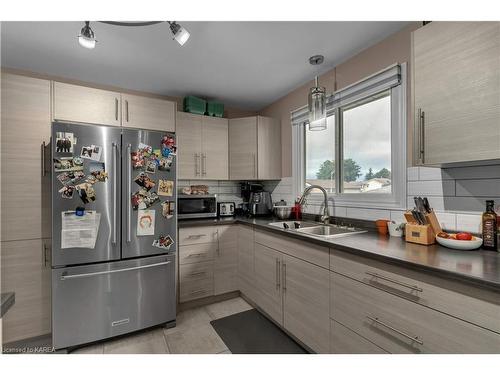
113 231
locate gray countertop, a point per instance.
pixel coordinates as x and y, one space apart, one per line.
478 267
6 302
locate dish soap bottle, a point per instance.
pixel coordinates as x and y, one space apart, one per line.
489 222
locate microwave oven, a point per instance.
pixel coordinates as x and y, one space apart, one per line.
196 206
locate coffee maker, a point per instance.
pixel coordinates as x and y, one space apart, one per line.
260 203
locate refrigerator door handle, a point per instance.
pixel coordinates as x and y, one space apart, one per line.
113 158
90 274
129 189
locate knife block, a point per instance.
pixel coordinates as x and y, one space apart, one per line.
422 234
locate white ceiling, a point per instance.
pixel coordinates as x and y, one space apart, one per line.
243 64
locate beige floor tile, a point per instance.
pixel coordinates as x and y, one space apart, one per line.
200 339
149 342
190 318
90 349
225 308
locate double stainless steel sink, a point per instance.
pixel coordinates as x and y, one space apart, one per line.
314 229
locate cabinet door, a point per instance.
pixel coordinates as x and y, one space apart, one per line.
456 79
85 104
26 271
306 298
268 281
226 260
243 148
214 148
147 113
25 202
345 341
246 262
269 148
189 146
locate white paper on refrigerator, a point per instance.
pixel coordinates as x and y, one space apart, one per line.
79 231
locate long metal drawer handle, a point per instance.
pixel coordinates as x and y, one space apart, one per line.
412 287
80 275
412 338
197 273
196 235
129 190
196 255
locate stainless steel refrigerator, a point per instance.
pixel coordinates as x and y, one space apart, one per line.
114 231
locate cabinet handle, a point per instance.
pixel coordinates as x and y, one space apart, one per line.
44 170
204 164
412 287
126 109
410 337
45 250
277 273
284 276
198 291
196 236
421 136
197 273
116 109
196 255
254 166
196 164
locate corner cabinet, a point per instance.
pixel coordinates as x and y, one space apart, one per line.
203 147
76 103
254 148
456 88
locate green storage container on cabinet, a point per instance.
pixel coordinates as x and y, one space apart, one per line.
192 104
215 109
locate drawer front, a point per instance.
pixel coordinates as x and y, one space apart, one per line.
400 326
462 303
345 341
300 249
190 236
99 301
195 289
197 253
196 271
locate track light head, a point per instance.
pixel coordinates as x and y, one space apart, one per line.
181 35
87 37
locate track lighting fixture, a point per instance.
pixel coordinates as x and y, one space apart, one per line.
87 36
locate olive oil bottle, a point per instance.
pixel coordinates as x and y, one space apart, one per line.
490 227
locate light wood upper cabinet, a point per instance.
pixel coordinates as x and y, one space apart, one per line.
85 104
25 203
203 147
456 85
147 113
254 148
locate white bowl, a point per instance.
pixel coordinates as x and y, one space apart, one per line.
473 244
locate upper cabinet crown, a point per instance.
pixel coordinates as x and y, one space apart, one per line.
96 106
203 147
254 148
456 92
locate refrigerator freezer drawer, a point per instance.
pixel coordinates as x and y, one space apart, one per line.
95 302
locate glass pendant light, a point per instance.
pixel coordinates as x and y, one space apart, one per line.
317 107
87 37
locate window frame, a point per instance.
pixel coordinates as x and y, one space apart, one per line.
397 198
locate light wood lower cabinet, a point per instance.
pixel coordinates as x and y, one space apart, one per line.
226 260
268 281
345 341
400 326
26 271
306 297
246 261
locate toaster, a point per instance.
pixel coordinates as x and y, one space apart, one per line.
226 208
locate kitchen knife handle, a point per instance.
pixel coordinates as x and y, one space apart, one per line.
129 189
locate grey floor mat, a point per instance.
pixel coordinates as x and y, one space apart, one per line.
250 332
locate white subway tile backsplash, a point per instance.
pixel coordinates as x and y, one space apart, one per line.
398 216
429 173
448 221
367 213
469 223
412 174
478 188
427 188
